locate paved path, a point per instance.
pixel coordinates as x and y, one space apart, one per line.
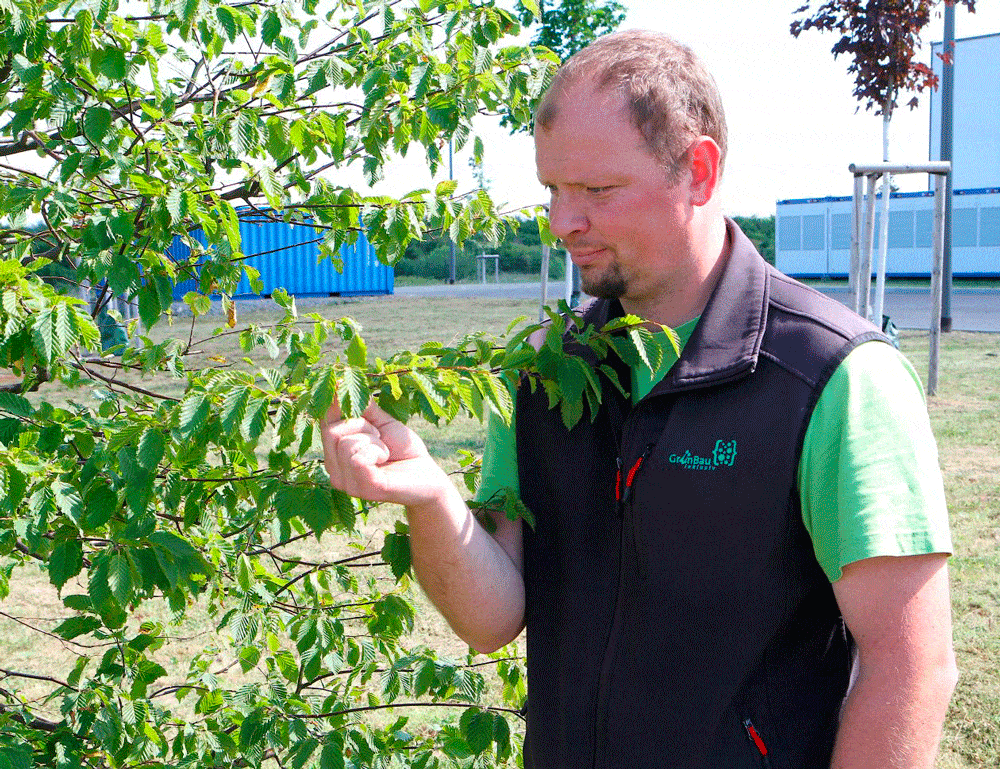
972 309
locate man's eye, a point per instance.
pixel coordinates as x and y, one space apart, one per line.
598 189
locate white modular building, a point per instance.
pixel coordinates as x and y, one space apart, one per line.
813 235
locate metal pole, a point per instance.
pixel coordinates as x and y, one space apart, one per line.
947 112
940 188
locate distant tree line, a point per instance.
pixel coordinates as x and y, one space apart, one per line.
760 230
521 251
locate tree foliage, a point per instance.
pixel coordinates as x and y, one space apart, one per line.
567 26
881 37
152 507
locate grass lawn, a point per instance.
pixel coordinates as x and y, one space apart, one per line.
966 419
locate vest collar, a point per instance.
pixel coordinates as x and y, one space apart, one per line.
726 342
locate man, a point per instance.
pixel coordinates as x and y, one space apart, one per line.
699 549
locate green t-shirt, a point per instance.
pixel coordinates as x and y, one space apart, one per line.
868 476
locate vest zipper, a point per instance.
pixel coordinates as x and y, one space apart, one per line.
623 501
601 714
755 738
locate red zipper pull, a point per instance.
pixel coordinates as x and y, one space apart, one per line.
752 734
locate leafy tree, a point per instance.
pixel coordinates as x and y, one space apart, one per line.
882 38
156 488
760 230
567 26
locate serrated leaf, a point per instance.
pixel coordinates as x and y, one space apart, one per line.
252 730
110 62
77 626
353 392
120 577
152 446
65 562
15 404
332 755
446 188
228 21
67 500
435 400
270 28
255 420
96 124
396 552
176 202
234 407
357 352
249 657
101 503
193 412
477 728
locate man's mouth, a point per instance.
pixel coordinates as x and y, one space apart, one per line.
584 256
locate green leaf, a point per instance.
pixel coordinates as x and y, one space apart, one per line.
16 405
396 552
255 420
67 500
228 21
353 391
357 352
193 412
332 755
65 562
96 124
120 577
253 729
532 7
152 446
109 62
234 407
149 305
74 627
477 728
270 28
100 504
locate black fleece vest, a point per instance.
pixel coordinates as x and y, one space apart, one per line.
688 624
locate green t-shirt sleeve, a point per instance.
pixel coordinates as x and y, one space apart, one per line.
499 459
869 479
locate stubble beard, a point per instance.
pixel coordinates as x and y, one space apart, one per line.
606 284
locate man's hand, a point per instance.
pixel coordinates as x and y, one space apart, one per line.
472 578
378 458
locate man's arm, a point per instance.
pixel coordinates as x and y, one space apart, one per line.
473 578
899 612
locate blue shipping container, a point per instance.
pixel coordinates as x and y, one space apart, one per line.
287 256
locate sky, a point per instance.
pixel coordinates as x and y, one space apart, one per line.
794 126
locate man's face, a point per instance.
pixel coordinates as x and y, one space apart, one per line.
617 210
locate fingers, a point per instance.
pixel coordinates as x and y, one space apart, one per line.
362 449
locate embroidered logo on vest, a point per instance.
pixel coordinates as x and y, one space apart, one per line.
723 455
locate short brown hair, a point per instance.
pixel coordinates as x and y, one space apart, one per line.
671 97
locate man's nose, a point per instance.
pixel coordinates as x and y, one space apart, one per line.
567 216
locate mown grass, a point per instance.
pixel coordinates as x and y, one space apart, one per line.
965 415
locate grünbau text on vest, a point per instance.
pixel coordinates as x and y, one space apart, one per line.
723 455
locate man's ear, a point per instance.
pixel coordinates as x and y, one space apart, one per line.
704 163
